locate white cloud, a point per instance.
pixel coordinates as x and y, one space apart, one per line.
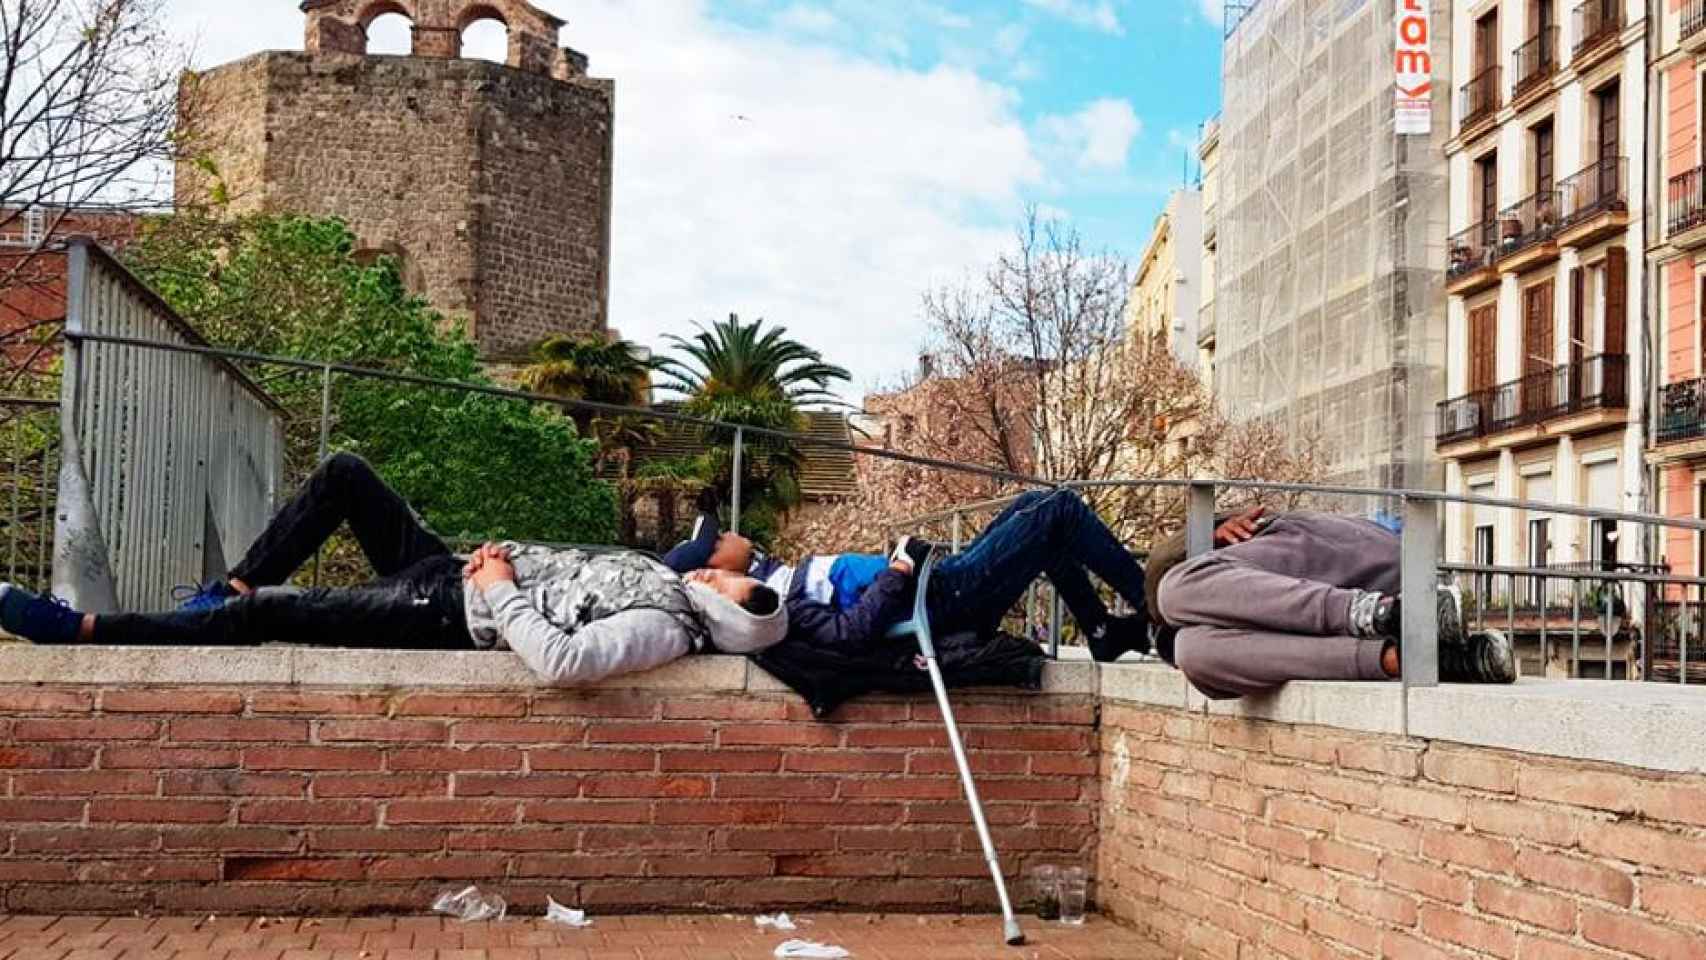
1093 14
1097 137
805 18
1214 11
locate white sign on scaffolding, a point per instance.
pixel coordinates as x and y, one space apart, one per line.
1413 69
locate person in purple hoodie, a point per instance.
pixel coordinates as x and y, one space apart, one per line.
849 600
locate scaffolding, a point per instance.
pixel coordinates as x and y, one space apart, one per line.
1331 239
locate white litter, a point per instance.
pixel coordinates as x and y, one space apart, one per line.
781 921
567 916
807 950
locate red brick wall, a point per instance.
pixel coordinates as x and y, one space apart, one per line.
279 800
1232 839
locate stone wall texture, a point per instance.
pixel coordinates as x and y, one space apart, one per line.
1232 839
492 184
280 799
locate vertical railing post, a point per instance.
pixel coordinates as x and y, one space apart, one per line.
1576 629
734 483
955 532
1419 583
1054 624
1199 518
325 443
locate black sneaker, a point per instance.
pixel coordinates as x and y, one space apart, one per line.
38 619
1382 616
1118 636
1485 656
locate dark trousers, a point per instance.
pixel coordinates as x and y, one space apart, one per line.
416 602
1043 533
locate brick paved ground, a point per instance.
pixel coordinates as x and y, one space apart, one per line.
868 937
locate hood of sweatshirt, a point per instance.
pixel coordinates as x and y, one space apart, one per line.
735 629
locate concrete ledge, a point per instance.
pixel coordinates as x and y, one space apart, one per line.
1649 725
472 669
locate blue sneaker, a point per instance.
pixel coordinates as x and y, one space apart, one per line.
39 619
209 596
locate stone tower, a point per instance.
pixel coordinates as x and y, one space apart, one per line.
490 182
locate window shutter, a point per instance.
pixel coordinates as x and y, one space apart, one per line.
1578 330
1616 300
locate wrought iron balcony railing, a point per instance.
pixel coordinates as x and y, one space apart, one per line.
1685 200
1597 188
1596 21
1598 382
1529 221
1470 250
1479 98
1693 18
1682 411
1535 61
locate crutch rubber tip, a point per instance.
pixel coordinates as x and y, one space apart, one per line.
1014 936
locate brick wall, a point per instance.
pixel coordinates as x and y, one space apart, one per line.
275 799
1233 838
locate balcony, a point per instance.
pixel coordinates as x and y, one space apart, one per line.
1535 62
1526 229
1471 267
1692 34
1682 420
1595 202
1477 102
1685 209
1598 24
1561 400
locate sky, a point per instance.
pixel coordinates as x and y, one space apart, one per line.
823 163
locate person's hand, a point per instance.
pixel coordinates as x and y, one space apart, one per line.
902 566
490 565
1239 527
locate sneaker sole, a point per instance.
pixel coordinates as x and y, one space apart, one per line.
1449 611
1498 657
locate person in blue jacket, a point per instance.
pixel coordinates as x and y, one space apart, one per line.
850 600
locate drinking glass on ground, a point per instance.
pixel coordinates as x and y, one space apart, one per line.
1074 883
1045 891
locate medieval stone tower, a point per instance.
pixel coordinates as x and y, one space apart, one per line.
490 182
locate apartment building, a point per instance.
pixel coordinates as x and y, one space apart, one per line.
1208 157
1165 293
1545 268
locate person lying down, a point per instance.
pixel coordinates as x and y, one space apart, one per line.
574 616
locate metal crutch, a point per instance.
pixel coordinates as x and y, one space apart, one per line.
921 626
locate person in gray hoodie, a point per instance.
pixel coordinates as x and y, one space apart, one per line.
573 615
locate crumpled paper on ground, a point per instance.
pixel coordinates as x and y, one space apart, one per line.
780 921
807 950
567 916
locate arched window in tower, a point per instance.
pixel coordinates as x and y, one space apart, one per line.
485 35
389 29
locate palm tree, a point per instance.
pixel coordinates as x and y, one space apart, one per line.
601 371
747 361
746 374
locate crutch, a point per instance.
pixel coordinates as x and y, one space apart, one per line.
920 627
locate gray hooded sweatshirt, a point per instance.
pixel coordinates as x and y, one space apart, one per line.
575 617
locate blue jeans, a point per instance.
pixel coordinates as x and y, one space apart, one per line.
1052 533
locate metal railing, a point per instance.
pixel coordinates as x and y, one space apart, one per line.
1597 382
1600 187
1529 221
1693 18
1470 250
1685 200
1480 98
1535 61
29 468
1682 411
1596 22
171 464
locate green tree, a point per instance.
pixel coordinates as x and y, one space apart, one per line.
745 374
475 465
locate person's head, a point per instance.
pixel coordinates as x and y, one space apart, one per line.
743 615
732 553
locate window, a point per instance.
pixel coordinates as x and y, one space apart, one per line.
1539 556
35 226
1484 558
1607 111
1540 137
1483 347
1487 42
1603 540
1487 169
